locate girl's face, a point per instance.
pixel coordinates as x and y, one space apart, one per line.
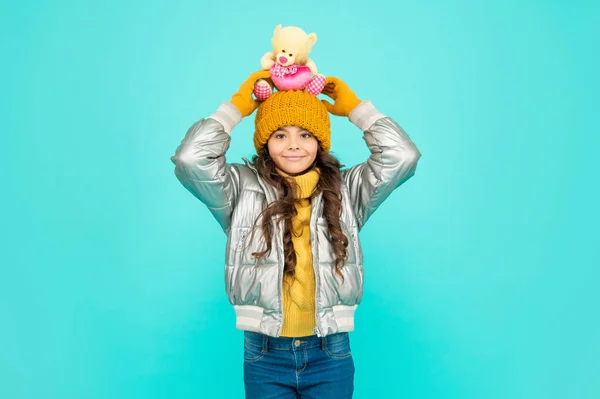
293 149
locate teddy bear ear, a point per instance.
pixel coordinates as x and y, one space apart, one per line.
277 29
312 39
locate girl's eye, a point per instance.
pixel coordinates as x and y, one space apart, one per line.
308 135
280 136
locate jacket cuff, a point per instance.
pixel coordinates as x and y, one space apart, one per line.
227 115
364 115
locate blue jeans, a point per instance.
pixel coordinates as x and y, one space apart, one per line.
304 367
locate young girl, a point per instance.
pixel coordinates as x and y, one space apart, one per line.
294 263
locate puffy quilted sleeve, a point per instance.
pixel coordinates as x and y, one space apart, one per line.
201 166
392 162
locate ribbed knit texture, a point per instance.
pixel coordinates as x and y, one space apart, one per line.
292 108
299 295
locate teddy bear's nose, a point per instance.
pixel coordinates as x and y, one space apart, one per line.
283 60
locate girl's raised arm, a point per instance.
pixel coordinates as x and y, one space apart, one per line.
393 158
200 163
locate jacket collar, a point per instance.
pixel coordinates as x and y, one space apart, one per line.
249 164
269 191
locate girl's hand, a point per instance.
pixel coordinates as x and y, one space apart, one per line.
243 100
345 100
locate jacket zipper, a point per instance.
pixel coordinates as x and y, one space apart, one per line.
281 290
312 244
316 329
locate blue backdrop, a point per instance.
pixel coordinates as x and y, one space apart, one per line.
481 271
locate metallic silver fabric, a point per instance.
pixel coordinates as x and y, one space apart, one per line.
236 194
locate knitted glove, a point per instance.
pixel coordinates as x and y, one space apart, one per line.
243 100
345 99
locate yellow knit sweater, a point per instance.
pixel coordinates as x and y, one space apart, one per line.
299 295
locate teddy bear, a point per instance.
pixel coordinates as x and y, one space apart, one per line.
290 67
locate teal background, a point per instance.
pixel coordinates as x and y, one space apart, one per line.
481 271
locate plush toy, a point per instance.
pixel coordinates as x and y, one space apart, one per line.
290 67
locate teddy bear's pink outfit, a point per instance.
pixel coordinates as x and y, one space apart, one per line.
293 77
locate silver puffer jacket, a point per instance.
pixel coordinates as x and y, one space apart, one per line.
236 194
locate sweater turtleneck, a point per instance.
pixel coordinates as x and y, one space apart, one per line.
306 181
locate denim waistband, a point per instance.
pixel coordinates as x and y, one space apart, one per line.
289 343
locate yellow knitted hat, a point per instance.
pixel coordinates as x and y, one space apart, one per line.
293 107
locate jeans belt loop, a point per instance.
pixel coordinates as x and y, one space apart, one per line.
265 343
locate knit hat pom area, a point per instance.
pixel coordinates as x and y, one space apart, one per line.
292 108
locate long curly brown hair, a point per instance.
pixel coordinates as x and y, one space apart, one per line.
283 208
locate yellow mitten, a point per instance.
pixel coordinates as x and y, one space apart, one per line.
345 99
243 100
